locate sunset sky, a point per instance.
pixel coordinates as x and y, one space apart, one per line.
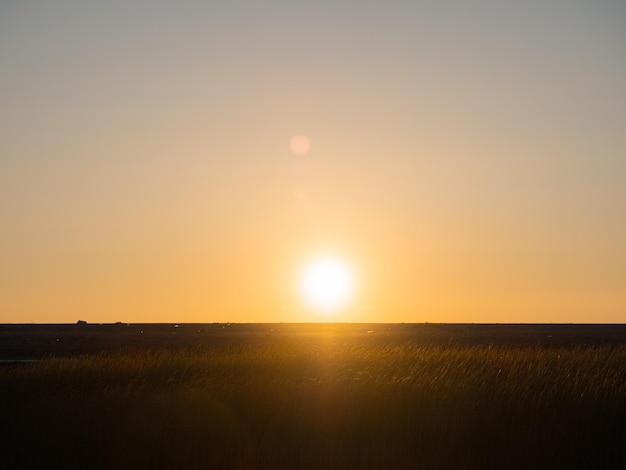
467 159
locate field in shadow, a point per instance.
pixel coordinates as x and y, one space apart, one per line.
313 396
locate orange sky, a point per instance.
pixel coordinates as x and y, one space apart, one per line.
467 161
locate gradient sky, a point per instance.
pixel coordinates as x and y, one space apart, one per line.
468 158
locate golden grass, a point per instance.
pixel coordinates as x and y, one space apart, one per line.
319 404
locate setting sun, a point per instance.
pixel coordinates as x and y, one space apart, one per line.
327 284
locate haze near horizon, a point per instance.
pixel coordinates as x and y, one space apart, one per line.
186 161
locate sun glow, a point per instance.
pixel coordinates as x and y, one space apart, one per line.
327 285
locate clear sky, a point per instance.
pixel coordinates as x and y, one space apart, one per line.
467 159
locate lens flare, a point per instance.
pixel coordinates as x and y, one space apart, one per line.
300 144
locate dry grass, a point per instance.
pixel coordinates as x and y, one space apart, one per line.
319 404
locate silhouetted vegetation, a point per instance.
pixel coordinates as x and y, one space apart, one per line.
323 401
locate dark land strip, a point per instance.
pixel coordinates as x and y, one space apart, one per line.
23 342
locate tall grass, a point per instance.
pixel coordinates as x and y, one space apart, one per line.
319 405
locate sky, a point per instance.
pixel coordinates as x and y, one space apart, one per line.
467 159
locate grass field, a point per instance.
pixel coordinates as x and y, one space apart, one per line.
318 401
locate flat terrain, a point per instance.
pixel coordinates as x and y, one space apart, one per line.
312 396
37 341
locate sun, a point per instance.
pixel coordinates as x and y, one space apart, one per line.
327 285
